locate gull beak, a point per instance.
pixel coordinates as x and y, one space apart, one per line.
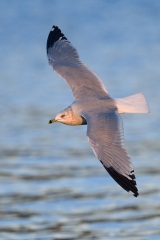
52 121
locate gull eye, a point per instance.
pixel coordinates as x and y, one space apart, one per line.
62 116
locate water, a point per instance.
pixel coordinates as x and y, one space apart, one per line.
51 184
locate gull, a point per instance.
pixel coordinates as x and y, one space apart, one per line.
94 107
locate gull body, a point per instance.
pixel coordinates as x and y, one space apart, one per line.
94 107
73 115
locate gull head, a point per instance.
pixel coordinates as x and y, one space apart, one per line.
62 117
68 117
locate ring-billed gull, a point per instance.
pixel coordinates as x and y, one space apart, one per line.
93 106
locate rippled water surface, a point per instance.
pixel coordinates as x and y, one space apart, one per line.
51 184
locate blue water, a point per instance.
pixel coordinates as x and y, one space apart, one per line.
51 184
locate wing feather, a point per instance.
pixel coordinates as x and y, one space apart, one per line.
65 61
105 133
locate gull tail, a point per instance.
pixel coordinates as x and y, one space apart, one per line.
133 104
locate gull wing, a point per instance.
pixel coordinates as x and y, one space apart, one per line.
65 61
105 133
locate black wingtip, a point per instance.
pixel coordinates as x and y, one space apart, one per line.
54 35
127 184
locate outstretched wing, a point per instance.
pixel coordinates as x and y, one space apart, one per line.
105 133
65 61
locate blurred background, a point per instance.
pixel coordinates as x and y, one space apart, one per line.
51 184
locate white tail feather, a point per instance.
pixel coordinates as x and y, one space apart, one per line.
133 104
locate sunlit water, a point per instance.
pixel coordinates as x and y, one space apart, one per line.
51 184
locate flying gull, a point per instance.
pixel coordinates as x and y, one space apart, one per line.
94 106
